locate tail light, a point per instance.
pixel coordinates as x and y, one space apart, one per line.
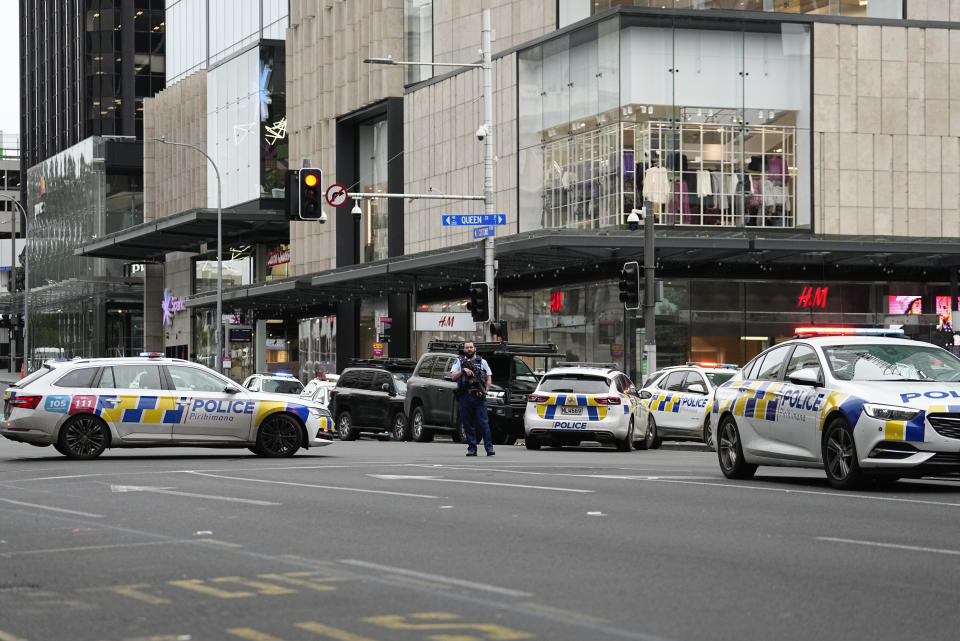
607 400
26 402
537 398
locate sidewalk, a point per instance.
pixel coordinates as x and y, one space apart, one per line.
9 377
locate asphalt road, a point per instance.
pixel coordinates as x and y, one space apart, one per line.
381 541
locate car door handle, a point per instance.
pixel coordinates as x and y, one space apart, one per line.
112 402
182 403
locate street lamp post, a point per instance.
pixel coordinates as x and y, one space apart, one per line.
218 364
26 277
485 133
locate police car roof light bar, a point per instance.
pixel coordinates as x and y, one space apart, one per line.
848 331
712 364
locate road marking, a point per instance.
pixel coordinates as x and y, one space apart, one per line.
321 487
9 637
333 633
162 490
489 630
53 509
134 591
440 479
252 635
83 548
896 546
474 585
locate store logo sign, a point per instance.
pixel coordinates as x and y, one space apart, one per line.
278 256
171 306
556 302
813 297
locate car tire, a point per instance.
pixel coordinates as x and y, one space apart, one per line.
83 437
279 436
840 460
652 440
642 444
730 451
399 428
345 427
420 433
531 443
256 450
706 432
626 444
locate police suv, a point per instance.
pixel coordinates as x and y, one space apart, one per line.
679 400
84 406
577 402
854 401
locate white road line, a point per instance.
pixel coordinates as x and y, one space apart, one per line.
878 544
53 509
84 548
473 585
440 479
320 487
163 490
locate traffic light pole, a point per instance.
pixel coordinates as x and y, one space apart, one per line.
650 295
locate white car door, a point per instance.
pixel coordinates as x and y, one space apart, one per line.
210 413
693 402
757 402
797 425
131 398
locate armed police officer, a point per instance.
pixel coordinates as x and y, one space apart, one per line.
473 376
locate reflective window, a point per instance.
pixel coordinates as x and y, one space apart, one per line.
131 377
82 377
770 368
418 38
372 160
194 379
803 358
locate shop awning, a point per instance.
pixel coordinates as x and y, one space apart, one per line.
189 231
535 259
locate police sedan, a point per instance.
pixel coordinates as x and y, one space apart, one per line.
84 406
679 400
577 402
858 404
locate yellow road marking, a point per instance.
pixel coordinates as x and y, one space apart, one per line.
197 585
132 591
327 631
260 586
252 635
312 580
4 636
490 630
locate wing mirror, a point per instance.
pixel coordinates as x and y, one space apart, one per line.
645 394
230 389
697 388
386 388
807 376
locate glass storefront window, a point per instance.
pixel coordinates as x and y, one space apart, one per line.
418 38
318 347
373 179
235 271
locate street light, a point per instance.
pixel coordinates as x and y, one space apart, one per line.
484 133
26 276
218 364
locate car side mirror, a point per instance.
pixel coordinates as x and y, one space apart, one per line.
807 376
386 388
230 389
697 388
645 394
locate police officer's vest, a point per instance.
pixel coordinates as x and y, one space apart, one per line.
467 384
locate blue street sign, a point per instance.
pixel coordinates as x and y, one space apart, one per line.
483 232
475 219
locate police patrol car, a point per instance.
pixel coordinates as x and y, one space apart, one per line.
852 401
276 383
84 406
577 402
680 397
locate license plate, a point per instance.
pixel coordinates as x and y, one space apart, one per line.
574 410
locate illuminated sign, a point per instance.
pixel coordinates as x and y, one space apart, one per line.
556 302
813 297
278 256
171 306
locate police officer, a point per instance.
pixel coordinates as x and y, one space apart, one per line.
473 377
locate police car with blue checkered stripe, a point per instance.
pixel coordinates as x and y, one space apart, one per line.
84 406
857 402
577 402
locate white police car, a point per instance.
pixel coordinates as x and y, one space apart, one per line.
852 401
680 397
577 402
84 406
276 383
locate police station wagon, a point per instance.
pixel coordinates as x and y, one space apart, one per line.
849 400
84 406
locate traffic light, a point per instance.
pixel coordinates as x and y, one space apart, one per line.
630 285
308 204
478 304
499 330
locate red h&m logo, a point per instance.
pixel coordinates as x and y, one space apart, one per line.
811 297
446 321
556 302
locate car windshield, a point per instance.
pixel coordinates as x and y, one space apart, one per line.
281 386
892 362
578 383
719 378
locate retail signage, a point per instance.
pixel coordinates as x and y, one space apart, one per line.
171 306
378 349
444 322
475 219
278 256
556 302
813 297
484 232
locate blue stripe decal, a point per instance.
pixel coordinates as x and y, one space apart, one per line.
551 411
101 405
561 399
953 408
626 409
173 416
750 407
852 408
676 407
302 411
772 410
914 429
581 399
147 403
663 402
131 416
593 414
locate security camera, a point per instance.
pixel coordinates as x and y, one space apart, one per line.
481 132
356 211
323 217
635 216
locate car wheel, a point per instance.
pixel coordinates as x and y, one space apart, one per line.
420 433
279 436
458 435
840 456
626 444
399 429
642 444
505 439
730 452
532 443
83 437
707 435
652 439
256 450
345 427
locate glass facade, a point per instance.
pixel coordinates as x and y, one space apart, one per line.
318 347
84 305
707 122
418 38
572 10
372 161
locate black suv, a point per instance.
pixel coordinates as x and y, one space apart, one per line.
431 402
368 398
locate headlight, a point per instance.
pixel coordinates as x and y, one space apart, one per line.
493 395
889 412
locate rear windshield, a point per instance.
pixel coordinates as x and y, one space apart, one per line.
281 387
718 379
578 383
